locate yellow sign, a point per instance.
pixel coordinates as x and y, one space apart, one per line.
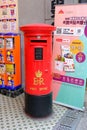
10 68
76 46
0 82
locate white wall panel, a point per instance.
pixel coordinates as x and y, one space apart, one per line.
31 11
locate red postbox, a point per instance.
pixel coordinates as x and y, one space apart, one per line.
38 74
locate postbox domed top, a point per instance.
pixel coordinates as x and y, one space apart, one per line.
34 27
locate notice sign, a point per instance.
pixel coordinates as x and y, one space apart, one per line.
70 55
9 16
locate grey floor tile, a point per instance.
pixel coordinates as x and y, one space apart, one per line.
13 117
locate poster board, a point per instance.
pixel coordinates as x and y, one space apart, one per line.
9 16
70 55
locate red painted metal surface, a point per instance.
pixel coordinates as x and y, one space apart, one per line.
38 54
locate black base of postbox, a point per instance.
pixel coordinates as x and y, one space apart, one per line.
38 106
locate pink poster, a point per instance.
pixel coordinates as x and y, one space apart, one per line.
70 55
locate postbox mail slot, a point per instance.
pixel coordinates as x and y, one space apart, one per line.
38 53
39 41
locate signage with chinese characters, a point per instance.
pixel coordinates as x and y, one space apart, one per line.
70 55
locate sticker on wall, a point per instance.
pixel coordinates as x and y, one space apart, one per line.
9 56
9 43
1 56
5 25
2 68
2 82
12 1
12 10
4 2
4 11
2 43
10 81
13 24
10 68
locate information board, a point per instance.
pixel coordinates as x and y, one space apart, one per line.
70 55
9 16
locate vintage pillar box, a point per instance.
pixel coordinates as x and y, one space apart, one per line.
38 75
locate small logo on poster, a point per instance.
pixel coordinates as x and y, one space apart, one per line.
61 12
80 57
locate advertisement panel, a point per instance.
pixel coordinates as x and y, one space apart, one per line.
70 55
9 16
